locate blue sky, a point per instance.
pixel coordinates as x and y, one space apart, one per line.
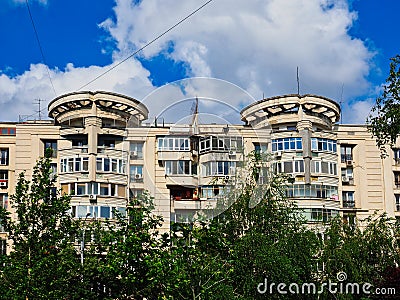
256 45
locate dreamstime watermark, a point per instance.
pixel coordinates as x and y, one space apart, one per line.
332 287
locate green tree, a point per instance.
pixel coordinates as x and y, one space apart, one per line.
134 251
384 120
257 235
42 263
365 251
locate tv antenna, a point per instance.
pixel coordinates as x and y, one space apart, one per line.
340 103
39 111
195 116
298 82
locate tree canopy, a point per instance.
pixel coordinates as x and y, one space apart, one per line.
384 119
259 237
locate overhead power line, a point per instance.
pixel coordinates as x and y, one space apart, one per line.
40 46
146 45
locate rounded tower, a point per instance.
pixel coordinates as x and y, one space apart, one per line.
304 146
92 152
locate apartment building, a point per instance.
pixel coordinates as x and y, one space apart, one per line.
104 153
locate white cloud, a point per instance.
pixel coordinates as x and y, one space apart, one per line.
255 44
357 111
219 100
18 94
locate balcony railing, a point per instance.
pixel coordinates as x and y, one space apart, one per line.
346 157
348 203
73 151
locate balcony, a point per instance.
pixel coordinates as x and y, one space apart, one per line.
182 180
3 183
346 158
191 204
174 155
347 180
348 204
136 178
72 151
112 152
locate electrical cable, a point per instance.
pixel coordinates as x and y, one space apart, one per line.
146 45
40 46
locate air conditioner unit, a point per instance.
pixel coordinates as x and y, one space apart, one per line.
92 197
232 153
227 177
134 154
278 154
138 176
349 162
345 179
3 184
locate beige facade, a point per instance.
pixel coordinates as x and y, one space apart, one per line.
104 153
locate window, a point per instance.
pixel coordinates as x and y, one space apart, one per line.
346 153
93 188
4 157
312 191
105 143
319 214
260 149
396 155
332 168
397 179
136 173
105 164
348 199
324 167
136 150
283 144
107 212
104 189
4 200
320 144
173 144
183 217
3 178
7 131
298 166
180 167
80 143
213 168
74 164
3 246
292 166
80 189
213 191
52 145
135 193
397 199
347 172
347 175
221 143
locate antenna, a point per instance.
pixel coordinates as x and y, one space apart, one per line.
340 103
195 111
39 111
298 82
